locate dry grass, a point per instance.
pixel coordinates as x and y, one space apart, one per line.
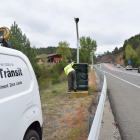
92 80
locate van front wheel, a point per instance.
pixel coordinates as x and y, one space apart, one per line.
31 135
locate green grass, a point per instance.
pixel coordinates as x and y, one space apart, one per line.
50 95
89 69
74 132
91 89
54 91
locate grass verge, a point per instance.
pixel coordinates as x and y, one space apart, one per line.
66 117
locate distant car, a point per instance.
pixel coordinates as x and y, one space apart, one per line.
98 63
115 64
138 69
128 68
118 66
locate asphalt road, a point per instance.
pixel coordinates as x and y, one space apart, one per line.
124 94
122 68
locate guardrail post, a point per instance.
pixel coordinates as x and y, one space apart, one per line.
98 96
90 120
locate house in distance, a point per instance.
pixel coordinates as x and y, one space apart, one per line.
51 59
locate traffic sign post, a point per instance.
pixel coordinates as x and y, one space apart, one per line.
129 62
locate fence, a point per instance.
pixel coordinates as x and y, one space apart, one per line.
95 128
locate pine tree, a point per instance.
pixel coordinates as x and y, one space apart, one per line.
20 42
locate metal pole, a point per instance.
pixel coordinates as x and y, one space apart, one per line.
92 61
77 43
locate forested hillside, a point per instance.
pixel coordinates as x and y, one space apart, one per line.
129 52
134 42
48 50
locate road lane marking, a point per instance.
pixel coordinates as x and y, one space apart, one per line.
122 80
129 73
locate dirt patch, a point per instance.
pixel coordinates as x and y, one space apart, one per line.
92 79
119 59
66 118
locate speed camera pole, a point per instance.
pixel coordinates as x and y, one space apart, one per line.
76 20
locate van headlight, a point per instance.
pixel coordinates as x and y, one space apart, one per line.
4 34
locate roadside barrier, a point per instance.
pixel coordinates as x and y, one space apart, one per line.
95 128
135 68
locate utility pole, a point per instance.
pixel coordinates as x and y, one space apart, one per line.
92 59
91 54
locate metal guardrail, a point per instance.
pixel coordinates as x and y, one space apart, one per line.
135 68
95 128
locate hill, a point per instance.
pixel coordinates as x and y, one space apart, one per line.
118 55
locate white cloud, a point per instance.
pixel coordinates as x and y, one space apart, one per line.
46 22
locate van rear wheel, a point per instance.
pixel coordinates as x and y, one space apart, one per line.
31 135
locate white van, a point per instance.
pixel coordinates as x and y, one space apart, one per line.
20 105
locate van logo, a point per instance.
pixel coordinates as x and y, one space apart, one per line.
10 73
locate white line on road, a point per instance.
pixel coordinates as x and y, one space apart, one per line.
122 80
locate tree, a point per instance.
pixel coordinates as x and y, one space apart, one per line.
138 51
116 50
138 63
87 45
20 42
134 41
95 59
120 49
43 57
129 52
64 50
84 57
135 59
47 50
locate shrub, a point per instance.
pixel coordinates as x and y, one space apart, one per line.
37 71
63 77
44 83
58 67
53 73
55 78
45 72
54 91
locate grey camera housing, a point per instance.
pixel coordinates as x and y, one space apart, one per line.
76 19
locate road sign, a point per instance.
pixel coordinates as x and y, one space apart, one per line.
129 62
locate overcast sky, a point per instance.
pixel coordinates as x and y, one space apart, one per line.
46 22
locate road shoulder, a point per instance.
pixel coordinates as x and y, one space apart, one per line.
109 129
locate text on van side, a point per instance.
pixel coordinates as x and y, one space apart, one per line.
10 73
